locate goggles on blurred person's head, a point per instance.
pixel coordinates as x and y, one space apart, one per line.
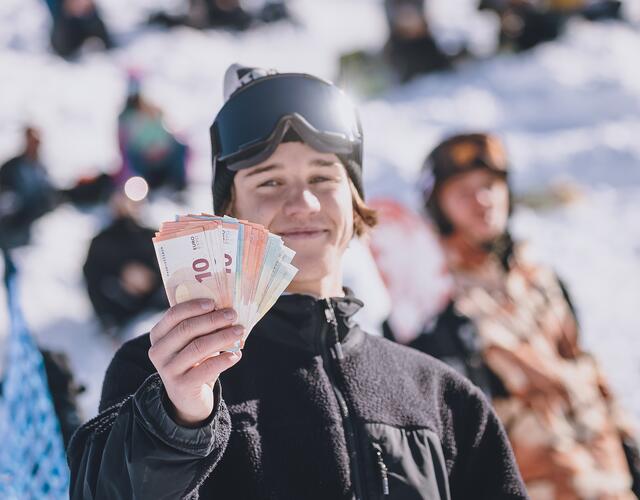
460 154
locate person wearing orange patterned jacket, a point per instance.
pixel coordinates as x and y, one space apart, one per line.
510 327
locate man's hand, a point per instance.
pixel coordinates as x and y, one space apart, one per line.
185 349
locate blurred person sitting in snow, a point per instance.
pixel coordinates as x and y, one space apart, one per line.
76 22
220 13
527 23
411 48
26 192
511 328
121 272
229 14
148 149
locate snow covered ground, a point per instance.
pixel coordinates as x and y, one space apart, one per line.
569 112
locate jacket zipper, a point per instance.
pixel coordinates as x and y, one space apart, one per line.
382 468
333 346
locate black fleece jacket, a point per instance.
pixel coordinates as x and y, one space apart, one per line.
316 409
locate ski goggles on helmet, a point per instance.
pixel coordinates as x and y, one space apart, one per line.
460 154
255 119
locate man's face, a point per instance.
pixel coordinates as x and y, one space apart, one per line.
477 204
408 22
304 196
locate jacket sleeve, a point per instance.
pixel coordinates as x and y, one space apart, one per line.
133 449
485 467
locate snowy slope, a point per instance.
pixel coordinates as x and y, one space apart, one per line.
569 112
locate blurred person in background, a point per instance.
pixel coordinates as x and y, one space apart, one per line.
121 271
76 23
275 10
527 23
230 14
411 48
510 328
220 13
26 193
148 148
312 407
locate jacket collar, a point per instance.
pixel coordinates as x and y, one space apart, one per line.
298 321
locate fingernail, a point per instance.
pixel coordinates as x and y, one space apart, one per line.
229 314
238 330
207 304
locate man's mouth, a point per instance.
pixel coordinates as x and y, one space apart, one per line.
303 233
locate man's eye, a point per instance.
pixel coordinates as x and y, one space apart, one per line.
269 183
315 180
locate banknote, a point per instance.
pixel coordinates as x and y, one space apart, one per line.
187 266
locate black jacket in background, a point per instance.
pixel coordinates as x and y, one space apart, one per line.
453 338
316 409
123 242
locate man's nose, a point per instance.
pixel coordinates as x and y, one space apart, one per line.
483 197
300 201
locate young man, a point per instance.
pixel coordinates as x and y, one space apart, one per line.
314 408
511 329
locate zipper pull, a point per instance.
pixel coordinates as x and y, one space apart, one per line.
382 468
330 315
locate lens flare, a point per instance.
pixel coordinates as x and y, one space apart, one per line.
344 112
136 189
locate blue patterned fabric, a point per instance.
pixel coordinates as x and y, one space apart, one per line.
32 455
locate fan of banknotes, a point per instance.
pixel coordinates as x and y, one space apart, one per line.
236 263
